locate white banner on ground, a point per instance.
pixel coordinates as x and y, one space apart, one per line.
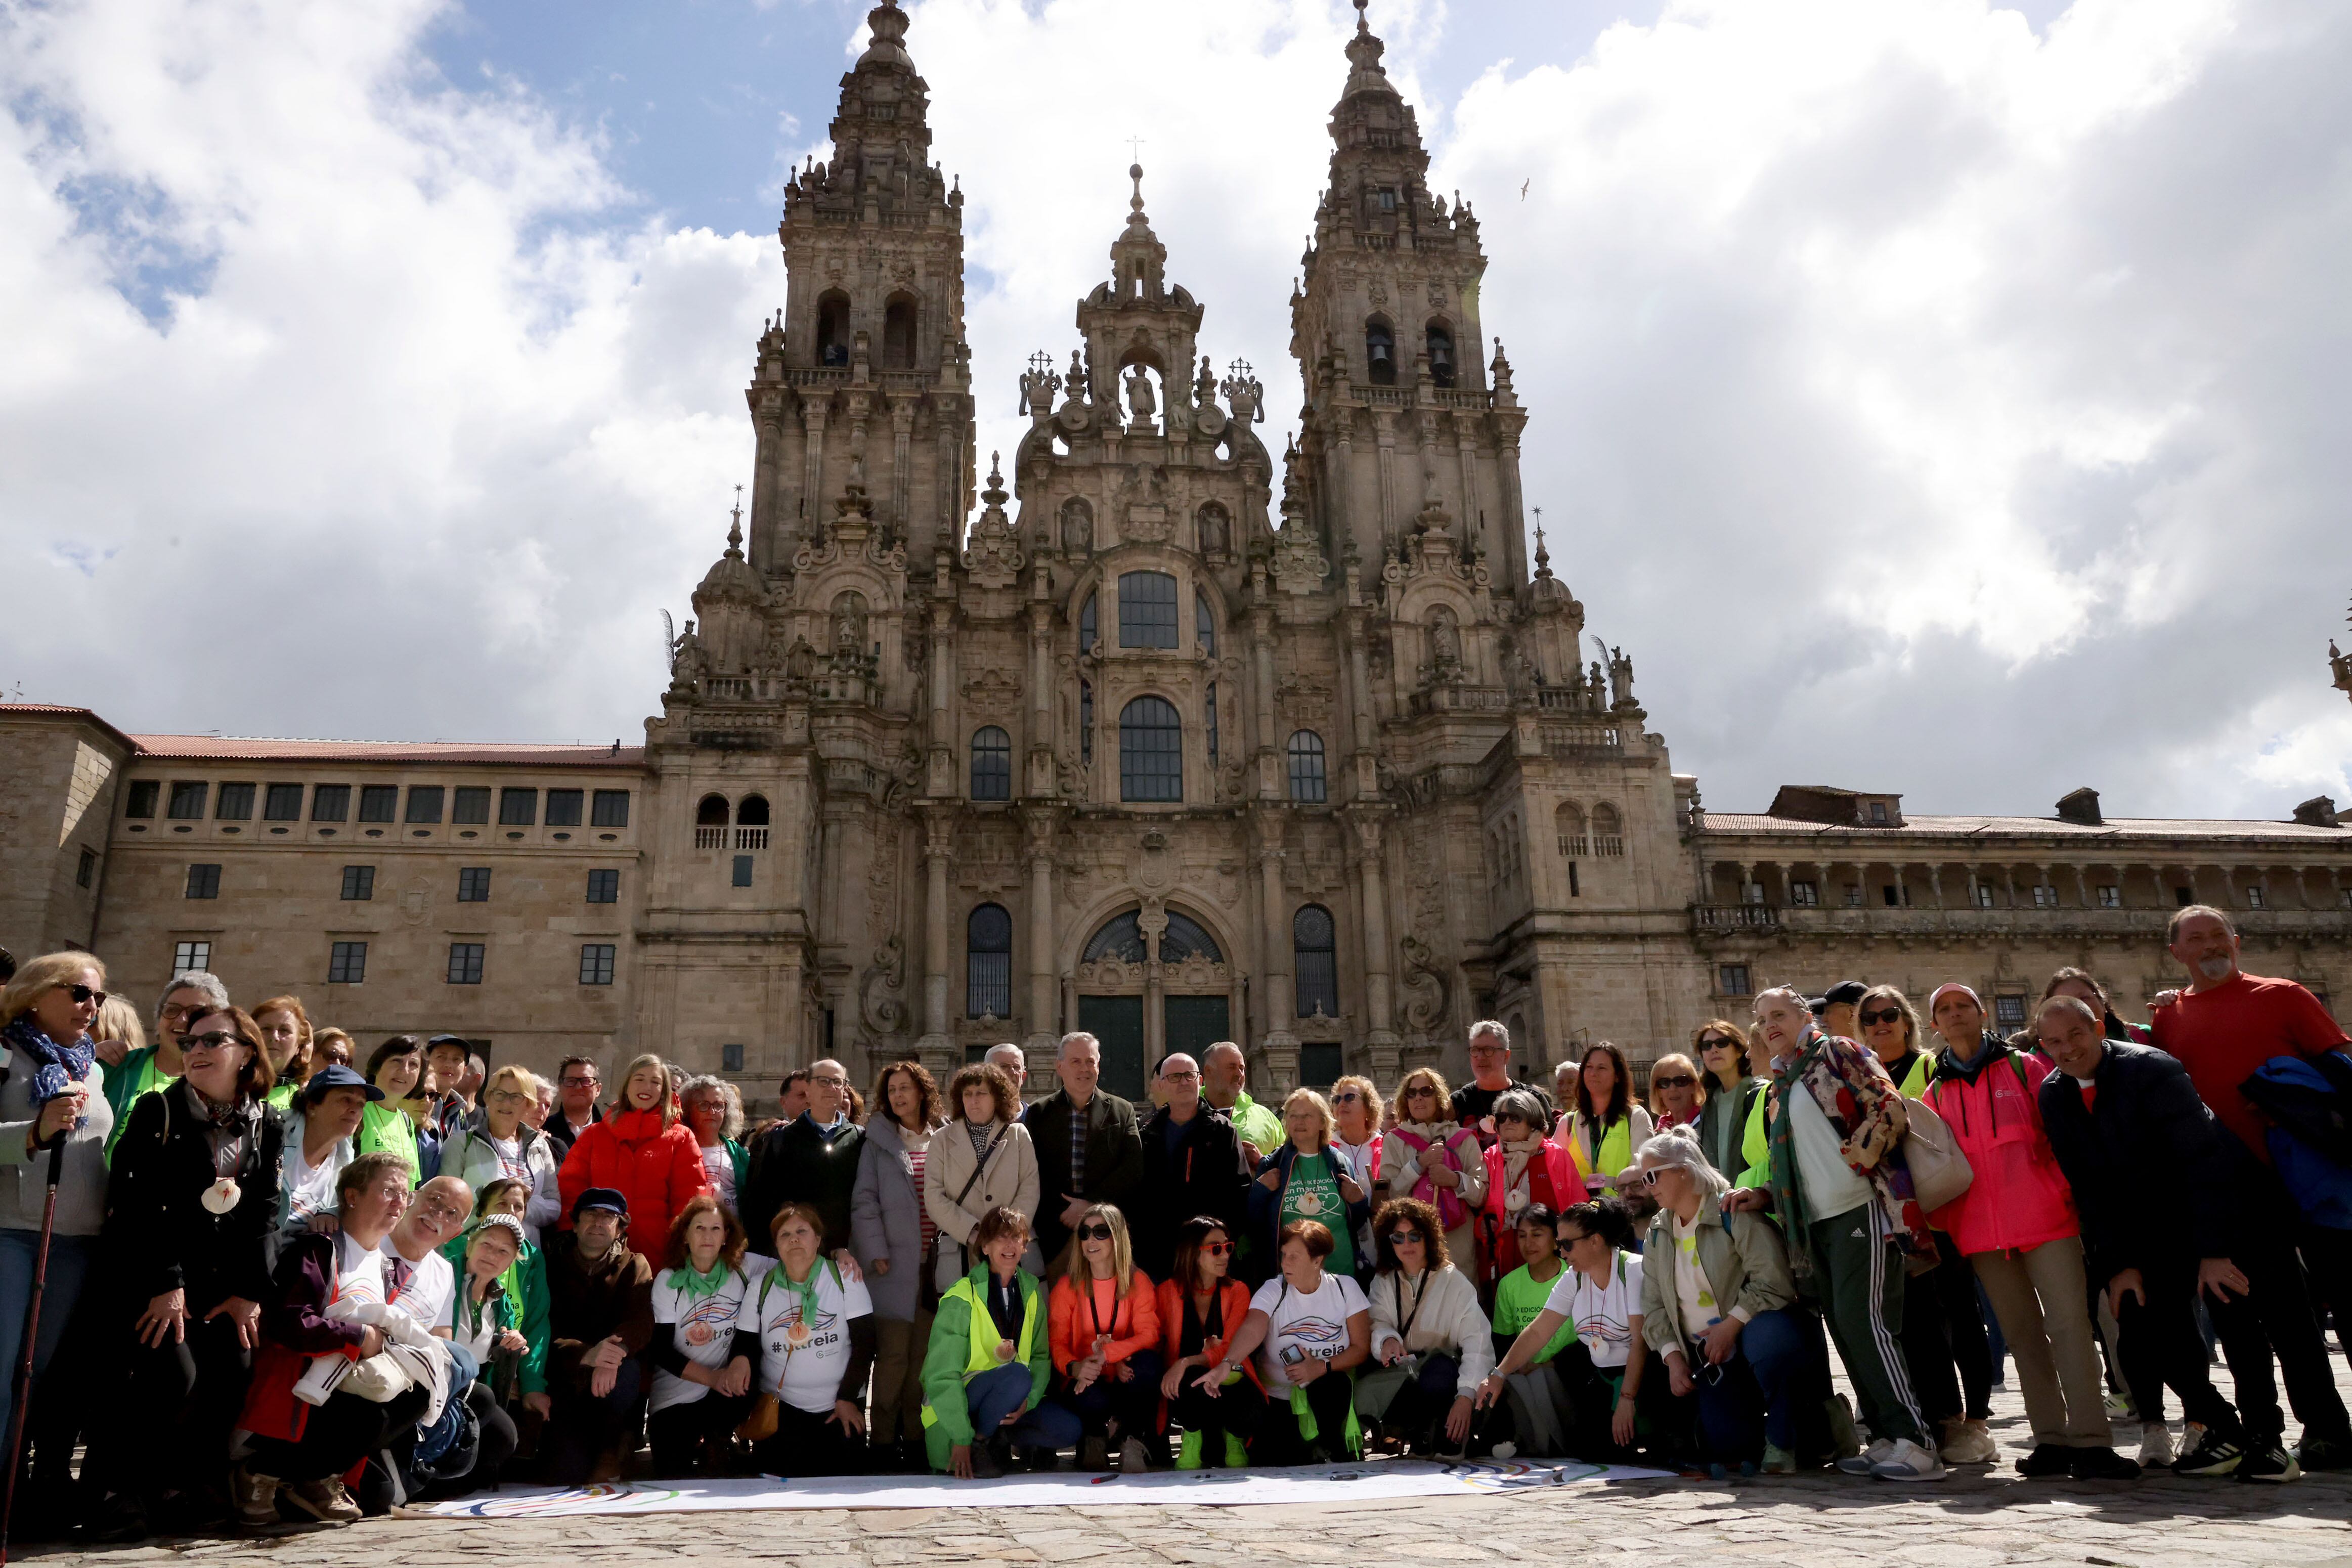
1216 1487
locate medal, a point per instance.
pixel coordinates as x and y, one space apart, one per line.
222 1195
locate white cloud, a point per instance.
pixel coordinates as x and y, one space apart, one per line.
1923 400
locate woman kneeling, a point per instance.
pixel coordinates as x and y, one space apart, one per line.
1433 1343
1201 1307
1313 1329
984 1375
1106 1333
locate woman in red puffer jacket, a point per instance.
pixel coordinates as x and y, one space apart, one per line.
645 1151
2017 1225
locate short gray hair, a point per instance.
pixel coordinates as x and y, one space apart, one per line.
203 981
1494 1026
1795 998
1076 1036
1018 1053
1677 1148
732 1127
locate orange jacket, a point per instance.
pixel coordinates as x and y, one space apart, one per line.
1133 1322
655 1168
1235 1297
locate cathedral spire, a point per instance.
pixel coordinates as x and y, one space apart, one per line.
1138 259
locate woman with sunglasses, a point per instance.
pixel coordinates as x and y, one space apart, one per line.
1715 1299
1356 1134
1524 1168
1605 1127
1103 1318
1426 1155
190 1207
53 1093
1733 1096
1599 1374
1201 1306
1677 1092
1943 1326
501 1142
1432 1344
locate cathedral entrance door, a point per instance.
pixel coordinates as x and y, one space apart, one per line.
1118 1023
1196 1022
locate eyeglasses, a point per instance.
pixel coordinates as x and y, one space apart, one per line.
1887 1016
1566 1239
441 1213
1405 1238
1095 1232
81 993
508 1096
1650 1178
1420 1091
1216 1249
575 1082
830 1082
213 1040
176 1010
1181 1077
1674 1080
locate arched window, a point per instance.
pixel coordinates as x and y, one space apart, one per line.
1184 938
1147 610
751 811
1121 938
1440 356
1087 629
833 327
1379 353
712 812
1317 961
1150 750
991 764
898 333
988 963
1569 823
1307 767
1608 831
1087 721
1204 625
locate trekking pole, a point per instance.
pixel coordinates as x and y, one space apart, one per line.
24 1377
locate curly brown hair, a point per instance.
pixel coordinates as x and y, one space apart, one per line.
927 1091
1423 1218
1000 1087
730 1251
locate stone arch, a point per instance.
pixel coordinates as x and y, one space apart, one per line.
900 313
1437 339
1379 351
833 329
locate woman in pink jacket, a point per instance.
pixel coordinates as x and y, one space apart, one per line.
2017 1225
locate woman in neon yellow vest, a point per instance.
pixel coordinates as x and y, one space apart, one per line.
1605 1127
394 1068
984 1375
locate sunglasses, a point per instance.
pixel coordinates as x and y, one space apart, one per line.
1650 1178
1351 1097
1717 1043
81 993
1405 1238
213 1040
1888 1016
1097 1232
1674 1080
1421 1092
1216 1249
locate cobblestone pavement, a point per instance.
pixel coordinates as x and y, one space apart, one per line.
1978 1518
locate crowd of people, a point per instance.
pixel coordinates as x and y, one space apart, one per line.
287 1283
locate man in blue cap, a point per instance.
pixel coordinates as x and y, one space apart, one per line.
599 1319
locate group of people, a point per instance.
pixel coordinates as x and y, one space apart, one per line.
280 1287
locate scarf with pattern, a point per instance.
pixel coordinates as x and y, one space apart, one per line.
56 1067
1865 1109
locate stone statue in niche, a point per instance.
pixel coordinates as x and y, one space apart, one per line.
1216 530
1140 400
1444 641
849 623
1077 527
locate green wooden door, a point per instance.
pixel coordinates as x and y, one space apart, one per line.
1118 1023
1195 1023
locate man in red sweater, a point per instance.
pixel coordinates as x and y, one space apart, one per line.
2224 1025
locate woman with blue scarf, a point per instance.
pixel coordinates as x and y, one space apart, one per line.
50 1086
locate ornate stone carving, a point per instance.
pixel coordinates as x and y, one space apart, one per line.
1426 990
880 990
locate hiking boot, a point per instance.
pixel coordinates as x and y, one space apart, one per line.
2267 1460
2102 1464
1907 1461
2047 1462
1093 1454
2215 1455
325 1501
1131 1458
1967 1443
2323 1454
255 1498
1236 1453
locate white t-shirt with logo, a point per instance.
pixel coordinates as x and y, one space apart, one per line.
720 1164
802 1362
702 1328
1305 1328
430 1289
310 1189
1603 1314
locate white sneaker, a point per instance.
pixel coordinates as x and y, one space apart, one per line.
2155 1450
1967 1443
1910 1462
1869 1460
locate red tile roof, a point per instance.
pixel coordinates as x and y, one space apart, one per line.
1917 827
239 749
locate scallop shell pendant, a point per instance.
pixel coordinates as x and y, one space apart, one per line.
222 1195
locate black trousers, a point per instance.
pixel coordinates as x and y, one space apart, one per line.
810 1443
2327 1261
166 1422
1133 1407
1279 1441
1592 1408
678 1432
336 1436
2159 1347
582 1428
1944 1329
2277 1320
1238 1408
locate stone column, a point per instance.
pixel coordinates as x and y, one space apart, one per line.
1043 1025
902 429
936 1047
1262 662
1380 1035
2008 881
813 496
2082 887
1936 882
1279 1044
1153 921
1384 426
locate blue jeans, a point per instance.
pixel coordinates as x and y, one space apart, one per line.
998 1393
69 1258
1751 1390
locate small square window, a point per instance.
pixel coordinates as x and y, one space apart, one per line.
603 886
1854 895
2183 896
1804 895
472 806
742 870
465 963
2045 897
609 808
2110 897
730 1059
518 808
2256 899
141 800
187 800
347 964
359 883
2009 1012
474 884
423 804
234 804
1878 811
379 803
282 803
596 963
1753 893
1984 895
1731 980
1892 896
563 808
204 881
330 803
88 868
187 955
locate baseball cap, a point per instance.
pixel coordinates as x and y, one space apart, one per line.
334 1075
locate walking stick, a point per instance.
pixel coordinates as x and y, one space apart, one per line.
24 1377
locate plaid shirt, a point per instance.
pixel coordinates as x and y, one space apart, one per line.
1078 1150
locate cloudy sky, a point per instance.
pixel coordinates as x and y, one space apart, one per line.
1929 396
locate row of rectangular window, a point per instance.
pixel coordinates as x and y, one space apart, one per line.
1806 895
465 805
347 961
359 884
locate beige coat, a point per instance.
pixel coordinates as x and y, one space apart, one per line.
1010 1181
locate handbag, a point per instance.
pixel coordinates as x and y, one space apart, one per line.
379 1379
761 1425
1940 1171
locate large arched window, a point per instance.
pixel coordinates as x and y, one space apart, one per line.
1150 750
1316 958
1307 782
833 327
1379 353
1569 823
1608 831
898 333
1121 938
991 764
1184 938
1088 626
1440 356
988 963
1147 610
751 811
712 812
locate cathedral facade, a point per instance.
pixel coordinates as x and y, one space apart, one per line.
1180 741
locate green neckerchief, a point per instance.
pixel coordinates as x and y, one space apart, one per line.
694 1286
807 1292
1787 1198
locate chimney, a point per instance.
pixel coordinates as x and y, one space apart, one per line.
2319 811
2081 808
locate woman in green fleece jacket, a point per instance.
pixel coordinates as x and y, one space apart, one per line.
984 1375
